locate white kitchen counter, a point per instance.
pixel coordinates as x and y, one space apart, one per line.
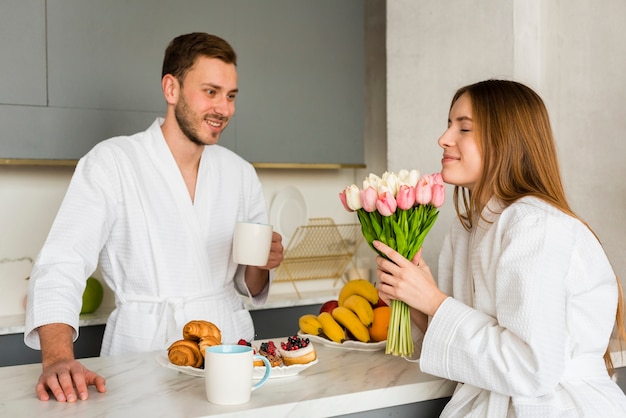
342 382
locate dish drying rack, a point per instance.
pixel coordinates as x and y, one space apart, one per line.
319 250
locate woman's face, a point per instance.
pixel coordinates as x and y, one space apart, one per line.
461 164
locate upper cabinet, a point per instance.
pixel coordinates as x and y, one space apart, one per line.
23 47
95 73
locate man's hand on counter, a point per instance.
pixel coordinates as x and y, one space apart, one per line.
63 375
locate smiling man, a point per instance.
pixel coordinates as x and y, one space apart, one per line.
157 211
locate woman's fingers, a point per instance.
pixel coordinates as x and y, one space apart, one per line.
391 254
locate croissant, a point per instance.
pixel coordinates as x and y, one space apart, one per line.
185 353
207 342
198 329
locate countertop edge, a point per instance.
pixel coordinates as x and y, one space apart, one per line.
357 402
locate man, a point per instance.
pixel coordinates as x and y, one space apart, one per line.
158 211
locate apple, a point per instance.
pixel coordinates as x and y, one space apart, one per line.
329 306
92 296
379 304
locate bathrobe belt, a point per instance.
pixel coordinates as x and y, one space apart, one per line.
585 367
171 317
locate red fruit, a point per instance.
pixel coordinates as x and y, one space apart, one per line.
329 306
379 304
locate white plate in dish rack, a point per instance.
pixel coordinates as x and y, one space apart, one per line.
288 211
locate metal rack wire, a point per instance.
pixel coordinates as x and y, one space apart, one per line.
319 250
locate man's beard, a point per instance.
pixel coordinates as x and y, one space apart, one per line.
184 117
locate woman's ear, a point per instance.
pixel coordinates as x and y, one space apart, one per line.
171 88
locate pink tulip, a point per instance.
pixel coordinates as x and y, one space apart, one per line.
405 197
439 195
423 191
386 204
342 197
437 178
368 199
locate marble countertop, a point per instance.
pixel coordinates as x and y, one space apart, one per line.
342 382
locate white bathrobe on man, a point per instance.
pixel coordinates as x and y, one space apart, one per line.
167 259
533 307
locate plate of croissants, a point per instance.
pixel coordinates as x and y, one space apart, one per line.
288 356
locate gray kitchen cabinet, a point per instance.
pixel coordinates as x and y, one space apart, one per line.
301 77
23 47
302 81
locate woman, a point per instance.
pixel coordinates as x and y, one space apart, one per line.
526 300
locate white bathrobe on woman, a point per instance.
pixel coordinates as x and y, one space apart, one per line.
532 310
167 259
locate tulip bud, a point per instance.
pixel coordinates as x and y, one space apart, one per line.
423 191
439 195
391 182
368 199
344 202
353 197
405 197
409 178
437 178
372 180
386 204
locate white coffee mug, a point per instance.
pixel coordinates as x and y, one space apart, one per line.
228 373
251 243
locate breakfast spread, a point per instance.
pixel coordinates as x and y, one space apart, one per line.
197 336
295 350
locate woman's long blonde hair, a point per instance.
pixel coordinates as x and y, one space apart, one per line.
519 155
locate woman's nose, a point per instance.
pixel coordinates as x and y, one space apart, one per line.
444 139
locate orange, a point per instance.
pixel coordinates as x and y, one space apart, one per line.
380 325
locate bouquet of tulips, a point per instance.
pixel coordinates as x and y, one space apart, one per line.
398 210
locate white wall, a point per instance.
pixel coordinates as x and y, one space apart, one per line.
571 51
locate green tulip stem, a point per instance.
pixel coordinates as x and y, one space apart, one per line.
404 231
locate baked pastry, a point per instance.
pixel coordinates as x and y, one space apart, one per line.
207 342
268 350
297 350
185 353
198 329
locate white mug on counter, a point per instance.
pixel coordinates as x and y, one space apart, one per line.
228 373
252 243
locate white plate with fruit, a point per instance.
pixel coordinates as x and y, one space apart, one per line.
357 320
347 344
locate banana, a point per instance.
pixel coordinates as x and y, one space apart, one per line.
331 328
348 319
359 287
309 324
362 308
